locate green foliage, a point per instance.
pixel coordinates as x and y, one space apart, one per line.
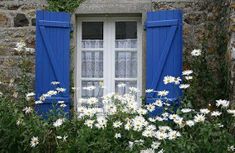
211 77
63 5
74 136
16 138
207 138
210 137
24 84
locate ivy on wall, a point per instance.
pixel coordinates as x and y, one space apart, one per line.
63 5
211 80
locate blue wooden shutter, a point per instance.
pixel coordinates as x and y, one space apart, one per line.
164 52
52 58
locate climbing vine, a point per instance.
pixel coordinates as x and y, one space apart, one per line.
212 71
63 5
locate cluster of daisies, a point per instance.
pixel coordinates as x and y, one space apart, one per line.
136 119
197 116
187 74
21 47
28 110
43 97
139 120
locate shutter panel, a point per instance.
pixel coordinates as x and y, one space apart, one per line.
164 53
52 58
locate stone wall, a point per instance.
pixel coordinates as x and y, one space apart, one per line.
17 22
199 15
205 27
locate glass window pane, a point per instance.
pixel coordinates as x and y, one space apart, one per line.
97 92
88 93
92 34
125 64
126 30
92 30
92 64
126 34
122 87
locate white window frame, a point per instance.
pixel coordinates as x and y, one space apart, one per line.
109 43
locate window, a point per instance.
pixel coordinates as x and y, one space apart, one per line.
109 52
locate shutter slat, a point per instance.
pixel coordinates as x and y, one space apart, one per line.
54 24
163 23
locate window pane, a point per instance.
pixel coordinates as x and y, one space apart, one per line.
92 30
126 34
126 30
125 89
97 92
92 64
92 34
125 64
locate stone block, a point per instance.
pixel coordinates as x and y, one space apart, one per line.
6 51
13 34
3 20
232 27
10 62
9 73
20 20
194 18
232 4
13 6
232 18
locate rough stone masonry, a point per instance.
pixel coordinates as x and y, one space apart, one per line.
17 22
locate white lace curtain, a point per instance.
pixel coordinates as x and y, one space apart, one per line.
126 64
92 43
92 62
119 43
126 43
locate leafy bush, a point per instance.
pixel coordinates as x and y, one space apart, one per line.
63 5
124 128
120 126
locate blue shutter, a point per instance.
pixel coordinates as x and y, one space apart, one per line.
52 58
164 52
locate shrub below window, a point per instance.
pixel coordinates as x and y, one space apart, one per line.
120 126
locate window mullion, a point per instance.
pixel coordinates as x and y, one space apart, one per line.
109 56
112 50
78 64
106 57
139 60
